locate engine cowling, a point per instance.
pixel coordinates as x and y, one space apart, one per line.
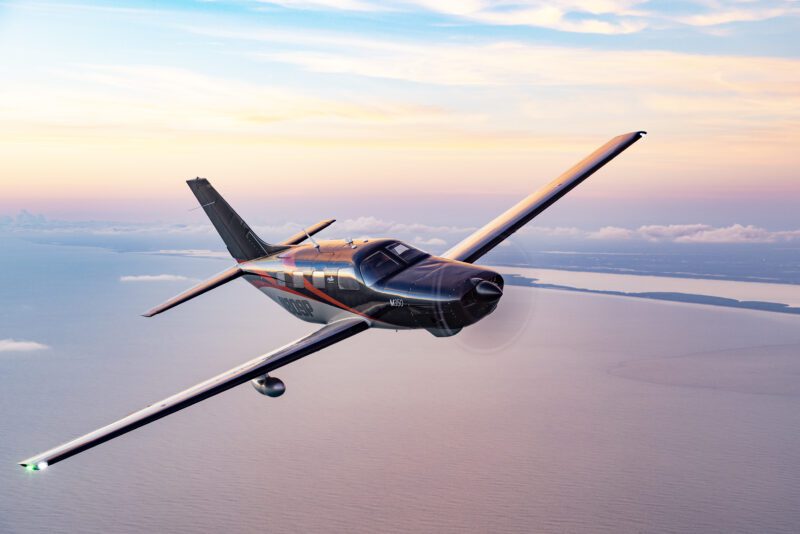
269 386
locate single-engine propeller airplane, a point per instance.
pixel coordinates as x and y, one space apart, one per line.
348 286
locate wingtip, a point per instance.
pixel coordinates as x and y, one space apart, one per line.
33 466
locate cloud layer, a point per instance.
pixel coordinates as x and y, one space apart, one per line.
673 233
13 345
419 233
607 17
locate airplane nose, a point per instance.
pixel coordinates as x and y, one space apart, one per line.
488 291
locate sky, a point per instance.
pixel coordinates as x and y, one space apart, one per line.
408 110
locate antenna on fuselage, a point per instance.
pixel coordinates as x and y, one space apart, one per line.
349 241
316 245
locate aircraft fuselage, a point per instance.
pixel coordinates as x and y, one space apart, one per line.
391 284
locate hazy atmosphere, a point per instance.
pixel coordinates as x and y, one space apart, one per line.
639 375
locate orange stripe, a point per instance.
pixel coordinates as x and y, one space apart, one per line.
273 283
333 301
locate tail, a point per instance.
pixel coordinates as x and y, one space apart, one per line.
242 242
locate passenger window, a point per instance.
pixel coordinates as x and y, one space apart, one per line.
346 280
297 280
281 277
318 279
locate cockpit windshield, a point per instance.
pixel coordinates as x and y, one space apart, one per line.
379 266
406 253
390 261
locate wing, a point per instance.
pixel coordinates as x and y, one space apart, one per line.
322 338
491 235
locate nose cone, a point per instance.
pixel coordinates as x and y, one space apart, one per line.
488 291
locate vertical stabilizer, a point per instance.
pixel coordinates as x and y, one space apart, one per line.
242 242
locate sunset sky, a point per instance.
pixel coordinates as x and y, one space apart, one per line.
105 111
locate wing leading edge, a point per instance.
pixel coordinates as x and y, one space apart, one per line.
491 235
322 338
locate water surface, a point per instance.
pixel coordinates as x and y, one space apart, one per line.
602 414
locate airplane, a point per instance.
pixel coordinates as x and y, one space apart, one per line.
348 286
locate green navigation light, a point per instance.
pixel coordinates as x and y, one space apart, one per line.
40 466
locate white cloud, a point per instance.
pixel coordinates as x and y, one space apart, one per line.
737 233
125 98
13 345
431 241
581 16
153 278
611 233
747 99
512 63
744 14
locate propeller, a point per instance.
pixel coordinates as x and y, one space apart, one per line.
515 311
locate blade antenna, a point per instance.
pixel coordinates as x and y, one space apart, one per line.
316 245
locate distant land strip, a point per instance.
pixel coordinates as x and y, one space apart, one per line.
691 298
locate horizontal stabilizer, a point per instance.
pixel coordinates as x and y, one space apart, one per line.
302 235
206 285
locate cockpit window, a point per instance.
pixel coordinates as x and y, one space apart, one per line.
377 267
406 253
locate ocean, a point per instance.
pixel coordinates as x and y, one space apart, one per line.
564 411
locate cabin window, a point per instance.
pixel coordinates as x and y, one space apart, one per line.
297 280
318 279
346 280
281 278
